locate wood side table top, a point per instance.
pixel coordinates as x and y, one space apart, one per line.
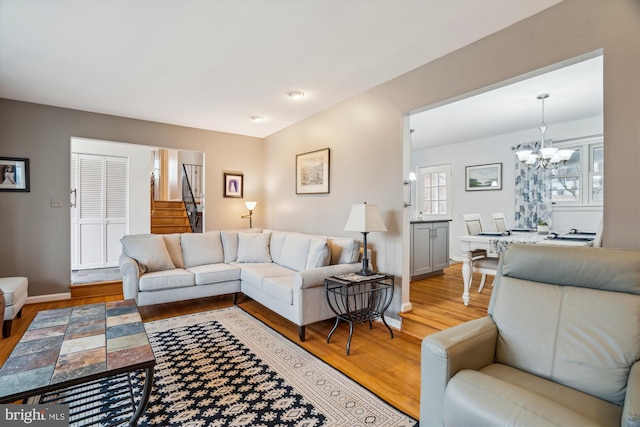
69 346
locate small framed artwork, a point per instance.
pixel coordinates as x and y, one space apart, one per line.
484 177
14 174
233 185
312 172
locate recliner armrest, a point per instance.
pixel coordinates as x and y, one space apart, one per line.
631 407
470 345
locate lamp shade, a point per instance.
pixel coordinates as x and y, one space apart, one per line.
251 205
364 218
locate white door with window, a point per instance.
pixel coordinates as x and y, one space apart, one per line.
99 209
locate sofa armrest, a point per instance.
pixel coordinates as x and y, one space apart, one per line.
130 276
315 276
631 407
470 345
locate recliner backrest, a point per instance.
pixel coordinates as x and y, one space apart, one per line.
569 314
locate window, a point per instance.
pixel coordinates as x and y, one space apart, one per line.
581 180
434 191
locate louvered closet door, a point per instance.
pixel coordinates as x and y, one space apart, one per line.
101 212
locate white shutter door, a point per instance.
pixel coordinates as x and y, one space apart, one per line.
90 211
116 184
74 212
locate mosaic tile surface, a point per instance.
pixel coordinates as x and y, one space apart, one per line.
70 344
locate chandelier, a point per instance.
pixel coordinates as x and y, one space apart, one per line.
546 157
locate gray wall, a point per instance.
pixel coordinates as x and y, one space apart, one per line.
36 237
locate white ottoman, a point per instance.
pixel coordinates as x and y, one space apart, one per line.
15 291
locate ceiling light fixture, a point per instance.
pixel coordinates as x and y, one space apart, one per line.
296 94
257 118
546 157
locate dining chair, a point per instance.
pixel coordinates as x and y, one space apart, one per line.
499 221
480 260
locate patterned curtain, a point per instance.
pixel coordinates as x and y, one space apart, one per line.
532 192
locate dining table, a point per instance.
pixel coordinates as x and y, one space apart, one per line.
496 243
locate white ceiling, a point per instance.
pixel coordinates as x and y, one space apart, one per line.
575 92
213 64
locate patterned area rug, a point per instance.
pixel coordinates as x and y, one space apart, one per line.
226 368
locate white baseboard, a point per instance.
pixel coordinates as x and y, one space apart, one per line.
47 298
394 323
406 307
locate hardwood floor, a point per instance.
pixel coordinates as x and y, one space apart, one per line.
390 368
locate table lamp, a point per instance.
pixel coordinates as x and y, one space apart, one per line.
365 218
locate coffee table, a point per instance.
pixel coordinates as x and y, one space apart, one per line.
77 345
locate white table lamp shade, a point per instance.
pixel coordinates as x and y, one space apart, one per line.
251 205
364 218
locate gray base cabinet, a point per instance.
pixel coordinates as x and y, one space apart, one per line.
429 248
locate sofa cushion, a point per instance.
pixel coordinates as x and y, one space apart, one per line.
474 398
319 253
201 248
230 242
295 251
157 281
276 244
584 403
150 252
253 274
215 273
344 250
279 288
172 242
253 247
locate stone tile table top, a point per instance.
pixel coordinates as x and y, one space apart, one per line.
68 346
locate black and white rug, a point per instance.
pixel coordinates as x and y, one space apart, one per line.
226 368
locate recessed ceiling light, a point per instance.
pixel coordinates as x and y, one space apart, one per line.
296 94
257 118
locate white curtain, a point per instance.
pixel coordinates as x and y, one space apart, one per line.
532 192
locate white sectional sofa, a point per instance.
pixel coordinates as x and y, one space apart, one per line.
284 271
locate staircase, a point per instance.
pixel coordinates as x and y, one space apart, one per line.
169 217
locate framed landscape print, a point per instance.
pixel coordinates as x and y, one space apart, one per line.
233 185
14 174
312 172
484 177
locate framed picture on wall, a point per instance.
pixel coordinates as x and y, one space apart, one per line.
14 174
312 172
484 177
233 185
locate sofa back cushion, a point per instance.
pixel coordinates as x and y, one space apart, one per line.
344 250
319 253
253 247
581 331
230 242
295 251
149 251
201 248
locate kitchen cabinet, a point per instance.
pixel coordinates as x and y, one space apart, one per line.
429 248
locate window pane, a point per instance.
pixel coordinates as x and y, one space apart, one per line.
427 180
565 189
442 193
434 193
442 207
597 191
598 160
571 168
442 179
427 195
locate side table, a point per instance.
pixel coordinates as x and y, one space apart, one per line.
358 299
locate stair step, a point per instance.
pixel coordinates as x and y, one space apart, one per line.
168 229
168 204
169 220
169 212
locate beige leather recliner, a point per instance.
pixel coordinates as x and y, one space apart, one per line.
560 347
